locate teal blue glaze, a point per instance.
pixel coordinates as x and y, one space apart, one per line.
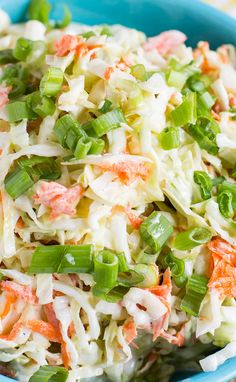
198 21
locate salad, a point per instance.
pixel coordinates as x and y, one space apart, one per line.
118 202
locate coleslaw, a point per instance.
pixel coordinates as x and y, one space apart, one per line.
118 202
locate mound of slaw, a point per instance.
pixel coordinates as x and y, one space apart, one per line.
118 202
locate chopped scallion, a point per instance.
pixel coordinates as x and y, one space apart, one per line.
105 107
19 110
22 49
156 230
196 290
204 181
177 267
106 122
51 82
186 112
50 374
169 138
191 238
62 259
6 56
106 269
17 182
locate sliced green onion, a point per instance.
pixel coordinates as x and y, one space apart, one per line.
66 20
196 85
41 105
177 267
17 182
50 374
106 31
217 181
234 172
204 132
123 266
149 274
110 295
22 49
67 131
228 186
105 107
156 230
106 269
19 110
51 83
10 71
62 259
88 34
191 238
40 167
169 138
177 79
82 148
186 112
40 10
174 64
139 72
196 290
146 256
225 203
2 277
106 122
6 56
204 181
97 146
18 87
206 100
130 278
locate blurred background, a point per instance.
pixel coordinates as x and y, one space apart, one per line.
228 6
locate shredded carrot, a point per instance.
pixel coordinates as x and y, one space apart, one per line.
69 43
45 329
17 327
134 220
71 329
163 290
51 316
66 44
65 355
157 327
4 91
165 42
23 292
52 319
107 74
20 223
128 171
232 100
130 331
223 249
177 339
215 115
223 277
10 300
223 54
60 199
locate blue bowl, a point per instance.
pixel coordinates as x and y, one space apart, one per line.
198 21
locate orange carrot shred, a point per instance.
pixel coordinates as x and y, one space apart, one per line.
23 292
45 329
130 331
10 299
